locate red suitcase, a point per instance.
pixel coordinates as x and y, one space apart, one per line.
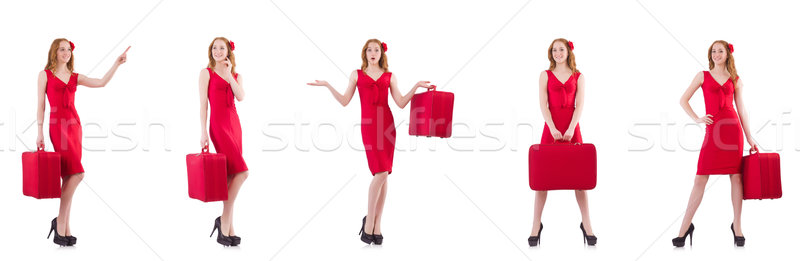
562 166
761 175
41 174
431 114
208 177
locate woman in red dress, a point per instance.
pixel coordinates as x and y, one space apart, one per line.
721 152
219 85
374 83
59 82
561 92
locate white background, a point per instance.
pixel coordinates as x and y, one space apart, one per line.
461 198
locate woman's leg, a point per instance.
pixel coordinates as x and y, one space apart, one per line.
538 207
70 183
378 180
379 207
583 204
234 184
736 199
694 202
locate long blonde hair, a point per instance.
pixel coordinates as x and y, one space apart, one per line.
52 58
570 55
231 57
730 65
383 62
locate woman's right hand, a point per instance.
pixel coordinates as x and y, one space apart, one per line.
319 83
706 119
40 141
556 134
204 140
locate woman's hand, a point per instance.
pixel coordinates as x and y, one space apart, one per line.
319 83
568 134
753 145
424 84
228 70
124 57
706 119
40 141
204 140
556 134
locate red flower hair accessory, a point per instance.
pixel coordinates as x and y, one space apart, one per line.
71 45
385 48
571 47
233 47
730 46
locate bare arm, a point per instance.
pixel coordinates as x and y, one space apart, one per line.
97 83
696 82
345 98
543 105
402 100
743 115
576 115
204 76
40 91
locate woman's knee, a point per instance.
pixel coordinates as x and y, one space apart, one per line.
242 175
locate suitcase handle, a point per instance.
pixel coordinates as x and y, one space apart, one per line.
205 149
39 148
567 142
754 148
434 88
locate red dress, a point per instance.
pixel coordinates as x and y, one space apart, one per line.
65 125
722 147
225 129
561 102
377 124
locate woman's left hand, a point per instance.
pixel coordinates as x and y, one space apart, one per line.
124 57
568 134
424 84
752 143
228 68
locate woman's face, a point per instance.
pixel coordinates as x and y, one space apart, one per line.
560 52
718 54
373 53
64 53
219 50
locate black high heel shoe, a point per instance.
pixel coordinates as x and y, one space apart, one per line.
739 241
235 240
377 238
681 241
72 240
221 239
588 239
366 238
58 239
534 240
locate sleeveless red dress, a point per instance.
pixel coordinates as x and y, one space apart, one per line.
722 147
65 125
377 124
225 129
561 103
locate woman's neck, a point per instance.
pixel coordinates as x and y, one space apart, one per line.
562 67
720 69
61 67
373 67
